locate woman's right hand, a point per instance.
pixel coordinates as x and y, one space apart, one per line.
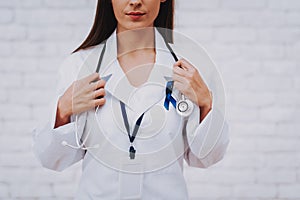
82 95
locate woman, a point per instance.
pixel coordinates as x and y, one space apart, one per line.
134 143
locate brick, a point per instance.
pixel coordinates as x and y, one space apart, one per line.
282 160
3 96
33 50
40 112
240 35
290 5
200 35
188 6
272 176
289 191
221 176
15 143
13 65
12 32
292 51
17 160
292 19
242 114
255 191
263 52
245 144
36 4
240 67
288 129
278 36
243 4
254 100
54 16
7 4
51 33
33 96
262 83
30 96
277 144
6 16
280 67
5 50
207 19
37 17
253 129
4 191
277 114
221 52
40 81
31 190
237 162
209 191
296 82
14 112
291 101
50 66
67 48
18 127
65 3
11 80
264 18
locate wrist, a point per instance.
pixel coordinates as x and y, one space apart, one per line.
62 110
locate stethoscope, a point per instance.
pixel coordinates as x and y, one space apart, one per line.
184 106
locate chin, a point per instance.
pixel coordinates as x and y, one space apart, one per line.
136 25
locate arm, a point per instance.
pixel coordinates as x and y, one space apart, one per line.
73 99
49 135
206 131
206 143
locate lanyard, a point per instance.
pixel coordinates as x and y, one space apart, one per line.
135 130
168 99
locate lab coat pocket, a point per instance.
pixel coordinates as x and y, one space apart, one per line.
131 184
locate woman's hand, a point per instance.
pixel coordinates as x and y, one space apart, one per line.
82 95
189 82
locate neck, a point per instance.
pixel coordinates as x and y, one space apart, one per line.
133 40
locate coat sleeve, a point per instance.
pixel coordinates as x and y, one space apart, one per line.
205 143
47 140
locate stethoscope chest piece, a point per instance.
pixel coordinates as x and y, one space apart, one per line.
184 107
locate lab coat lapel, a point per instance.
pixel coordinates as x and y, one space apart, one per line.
144 97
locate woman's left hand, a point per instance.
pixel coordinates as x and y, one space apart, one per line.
189 82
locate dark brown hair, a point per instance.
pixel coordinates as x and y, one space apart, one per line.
105 23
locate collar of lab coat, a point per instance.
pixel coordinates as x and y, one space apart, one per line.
118 85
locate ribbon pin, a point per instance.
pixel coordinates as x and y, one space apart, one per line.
169 97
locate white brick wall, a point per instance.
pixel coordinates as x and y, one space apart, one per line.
256 44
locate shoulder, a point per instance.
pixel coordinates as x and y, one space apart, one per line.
74 61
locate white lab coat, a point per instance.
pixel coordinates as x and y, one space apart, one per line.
101 178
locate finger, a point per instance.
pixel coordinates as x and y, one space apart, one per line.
96 85
178 70
186 65
178 78
99 102
92 78
99 93
178 64
179 86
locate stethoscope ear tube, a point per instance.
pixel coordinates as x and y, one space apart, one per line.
184 107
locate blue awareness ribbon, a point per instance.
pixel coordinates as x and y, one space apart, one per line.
169 97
